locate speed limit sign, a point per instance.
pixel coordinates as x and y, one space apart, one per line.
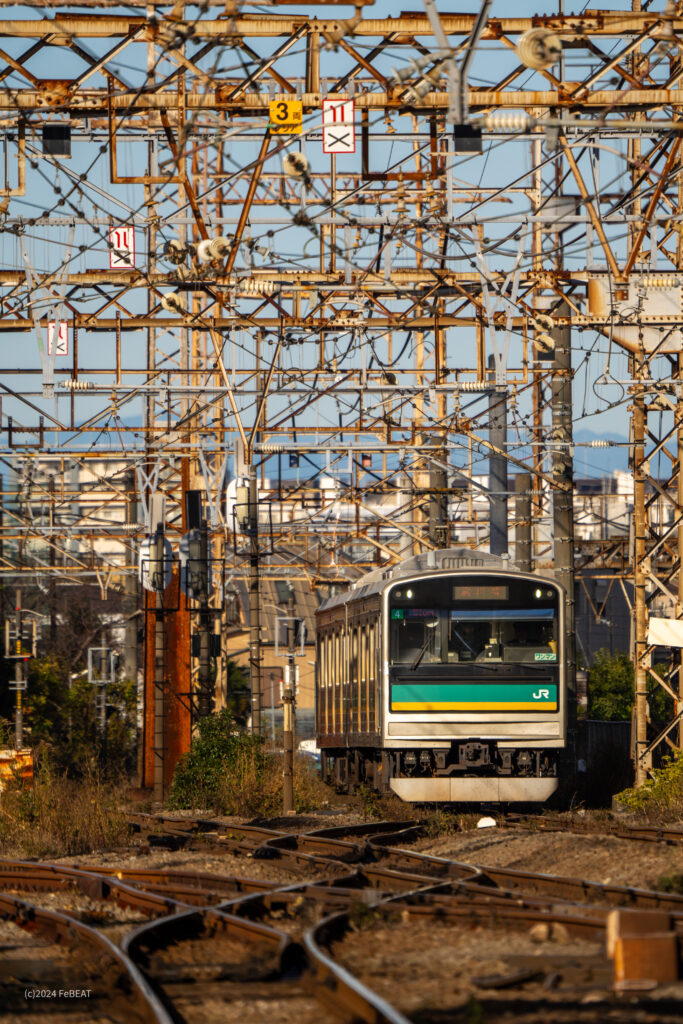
286 117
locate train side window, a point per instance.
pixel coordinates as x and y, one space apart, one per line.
363 681
354 676
325 682
320 676
338 678
372 682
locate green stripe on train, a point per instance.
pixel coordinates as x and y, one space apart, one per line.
467 693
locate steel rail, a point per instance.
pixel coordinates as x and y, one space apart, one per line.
644 833
423 886
206 924
138 999
179 919
188 879
26 875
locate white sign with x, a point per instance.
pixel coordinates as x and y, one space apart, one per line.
62 346
339 134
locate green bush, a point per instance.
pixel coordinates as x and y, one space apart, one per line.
659 799
611 689
200 775
231 772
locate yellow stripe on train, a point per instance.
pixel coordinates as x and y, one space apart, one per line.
469 706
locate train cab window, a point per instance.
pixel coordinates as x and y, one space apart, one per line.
458 620
416 637
502 634
466 640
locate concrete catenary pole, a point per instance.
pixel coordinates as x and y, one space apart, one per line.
563 498
205 695
130 601
498 468
288 709
523 521
254 601
18 666
159 682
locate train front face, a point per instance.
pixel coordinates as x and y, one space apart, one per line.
474 686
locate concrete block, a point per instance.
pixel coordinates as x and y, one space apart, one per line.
653 957
634 922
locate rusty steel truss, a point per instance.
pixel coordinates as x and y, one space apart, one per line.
339 348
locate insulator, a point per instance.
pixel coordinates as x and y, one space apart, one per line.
538 48
429 83
204 254
653 281
544 322
597 443
271 448
474 385
508 122
174 251
76 385
295 165
172 302
545 342
414 67
220 247
257 286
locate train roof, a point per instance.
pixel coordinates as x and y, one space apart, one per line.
442 560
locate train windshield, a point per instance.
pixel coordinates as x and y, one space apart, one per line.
456 619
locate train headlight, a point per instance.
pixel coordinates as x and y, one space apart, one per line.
409 594
538 593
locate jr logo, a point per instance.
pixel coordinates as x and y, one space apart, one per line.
541 694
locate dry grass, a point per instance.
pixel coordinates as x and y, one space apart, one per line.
253 785
59 816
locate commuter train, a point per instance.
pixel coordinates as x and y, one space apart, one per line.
443 679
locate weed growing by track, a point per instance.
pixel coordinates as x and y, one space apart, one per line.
58 816
374 806
660 799
670 883
232 772
440 822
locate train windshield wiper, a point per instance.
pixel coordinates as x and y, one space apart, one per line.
423 650
420 654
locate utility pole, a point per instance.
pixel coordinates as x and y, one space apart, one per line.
130 649
498 468
641 657
254 599
157 574
439 528
563 497
523 521
102 695
19 683
52 583
678 682
288 706
205 696
438 498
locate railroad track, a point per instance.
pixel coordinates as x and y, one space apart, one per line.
198 946
643 833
